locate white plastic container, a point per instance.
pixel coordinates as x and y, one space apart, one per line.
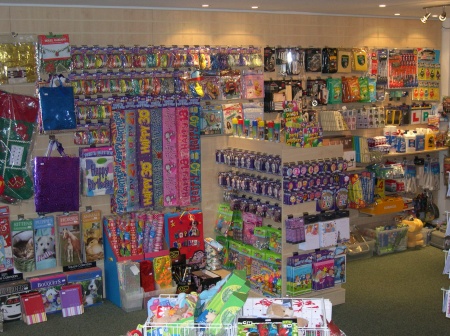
410 142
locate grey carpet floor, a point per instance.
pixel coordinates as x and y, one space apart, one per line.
398 294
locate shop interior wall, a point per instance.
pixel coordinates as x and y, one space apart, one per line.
92 26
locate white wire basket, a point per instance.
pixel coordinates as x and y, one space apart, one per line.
316 311
188 329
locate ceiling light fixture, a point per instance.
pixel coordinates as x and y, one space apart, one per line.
397 14
443 16
425 17
382 5
255 7
205 5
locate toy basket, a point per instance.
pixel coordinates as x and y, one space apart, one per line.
187 328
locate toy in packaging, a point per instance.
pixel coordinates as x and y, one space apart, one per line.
299 274
344 63
360 62
334 86
313 60
211 120
329 60
224 219
323 270
269 59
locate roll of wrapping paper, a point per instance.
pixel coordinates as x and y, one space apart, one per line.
194 153
140 231
119 199
159 219
132 183
144 158
133 234
157 147
170 164
184 174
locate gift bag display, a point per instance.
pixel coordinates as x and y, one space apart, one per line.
18 115
57 108
56 181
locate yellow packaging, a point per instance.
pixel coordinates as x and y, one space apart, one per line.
385 206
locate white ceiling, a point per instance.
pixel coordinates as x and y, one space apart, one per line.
406 8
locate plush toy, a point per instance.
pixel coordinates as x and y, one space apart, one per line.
415 236
277 310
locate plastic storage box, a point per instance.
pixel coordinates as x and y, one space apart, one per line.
439 240
361 250
131 301
426 232
388 240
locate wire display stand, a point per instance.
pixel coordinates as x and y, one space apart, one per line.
314 311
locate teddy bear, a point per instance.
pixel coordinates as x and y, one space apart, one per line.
277 310
415 236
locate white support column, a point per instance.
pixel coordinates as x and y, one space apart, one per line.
442 202
445 58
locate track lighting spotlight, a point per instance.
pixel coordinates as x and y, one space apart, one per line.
425 17
443 16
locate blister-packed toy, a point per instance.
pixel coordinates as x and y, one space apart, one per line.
350 89
334 86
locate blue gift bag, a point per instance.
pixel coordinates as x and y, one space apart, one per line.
57 108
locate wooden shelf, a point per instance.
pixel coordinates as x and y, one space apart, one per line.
440 149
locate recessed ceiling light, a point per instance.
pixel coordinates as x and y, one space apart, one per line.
382 5
434 15
255 7
205 5
397 14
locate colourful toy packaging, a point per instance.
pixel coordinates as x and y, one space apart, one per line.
299 274
323 270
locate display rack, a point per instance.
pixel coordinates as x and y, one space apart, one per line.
288 154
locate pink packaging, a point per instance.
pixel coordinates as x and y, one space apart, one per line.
170 166
184 184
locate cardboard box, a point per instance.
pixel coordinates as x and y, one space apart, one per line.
204 280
